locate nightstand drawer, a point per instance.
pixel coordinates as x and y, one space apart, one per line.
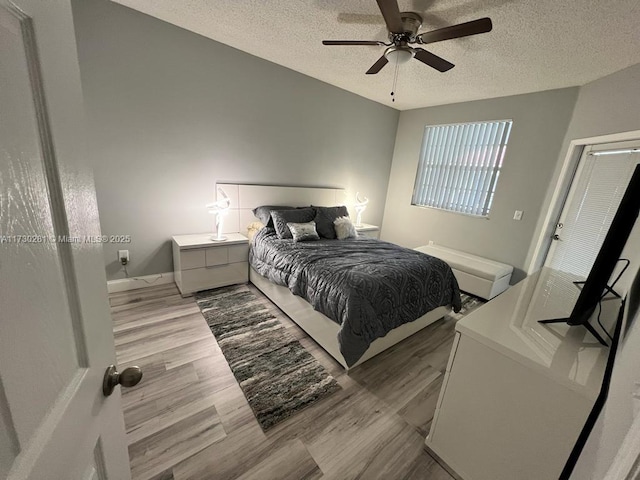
217 256
224 255
213 277
238 253
192 259
371 233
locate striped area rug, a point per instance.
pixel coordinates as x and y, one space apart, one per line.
277 375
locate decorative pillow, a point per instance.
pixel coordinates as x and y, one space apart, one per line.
325 216
303 232
253 228
263 213
344 228
282 217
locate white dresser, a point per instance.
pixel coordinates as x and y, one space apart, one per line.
199 263
517 393
368 230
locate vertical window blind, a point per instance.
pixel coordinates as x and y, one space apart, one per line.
460 165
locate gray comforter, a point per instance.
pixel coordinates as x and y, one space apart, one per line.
367 286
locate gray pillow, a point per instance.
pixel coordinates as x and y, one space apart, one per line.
263 213
325 216
282 217
303 232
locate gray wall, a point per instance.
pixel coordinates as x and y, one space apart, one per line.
608 105
170 113
540 121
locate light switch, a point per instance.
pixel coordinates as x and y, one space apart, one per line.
517 215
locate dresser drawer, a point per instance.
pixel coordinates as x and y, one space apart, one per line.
194 258
212 277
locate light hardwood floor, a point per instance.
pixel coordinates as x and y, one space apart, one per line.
188 418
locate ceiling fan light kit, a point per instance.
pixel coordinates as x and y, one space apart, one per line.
398 54
403 30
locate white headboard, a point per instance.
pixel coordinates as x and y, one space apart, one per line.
244 198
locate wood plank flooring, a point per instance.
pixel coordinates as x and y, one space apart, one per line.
188 418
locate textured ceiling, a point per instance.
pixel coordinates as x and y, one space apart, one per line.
535 44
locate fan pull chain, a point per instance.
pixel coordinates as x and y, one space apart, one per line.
395 82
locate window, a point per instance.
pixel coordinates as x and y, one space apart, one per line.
460 165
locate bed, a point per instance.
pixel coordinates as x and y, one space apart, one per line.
354 297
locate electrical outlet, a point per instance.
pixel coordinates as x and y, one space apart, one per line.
430 242
517 215
123 256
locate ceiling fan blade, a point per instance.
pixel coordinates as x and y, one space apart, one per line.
482 25
432 60
376 67
352 42
391 14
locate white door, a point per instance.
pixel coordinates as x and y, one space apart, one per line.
55 330
600 182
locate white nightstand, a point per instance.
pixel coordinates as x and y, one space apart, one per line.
199 263
372 231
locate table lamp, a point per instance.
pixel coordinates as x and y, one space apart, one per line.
360 207
220 208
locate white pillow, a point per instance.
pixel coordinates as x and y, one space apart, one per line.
253 228
344 228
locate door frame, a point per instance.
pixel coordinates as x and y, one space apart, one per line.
561 191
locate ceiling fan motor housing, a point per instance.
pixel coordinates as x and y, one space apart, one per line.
411 23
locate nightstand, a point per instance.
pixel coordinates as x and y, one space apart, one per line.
199 263
372 231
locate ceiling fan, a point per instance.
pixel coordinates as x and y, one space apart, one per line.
403 31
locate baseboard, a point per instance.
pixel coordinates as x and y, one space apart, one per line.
124 284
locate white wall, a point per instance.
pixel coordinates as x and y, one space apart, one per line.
170 113
540 122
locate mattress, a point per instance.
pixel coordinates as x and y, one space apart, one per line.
367 286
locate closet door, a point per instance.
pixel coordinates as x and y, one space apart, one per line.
597 189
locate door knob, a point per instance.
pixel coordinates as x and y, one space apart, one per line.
129 377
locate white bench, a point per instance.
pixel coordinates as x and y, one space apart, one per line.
476 275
